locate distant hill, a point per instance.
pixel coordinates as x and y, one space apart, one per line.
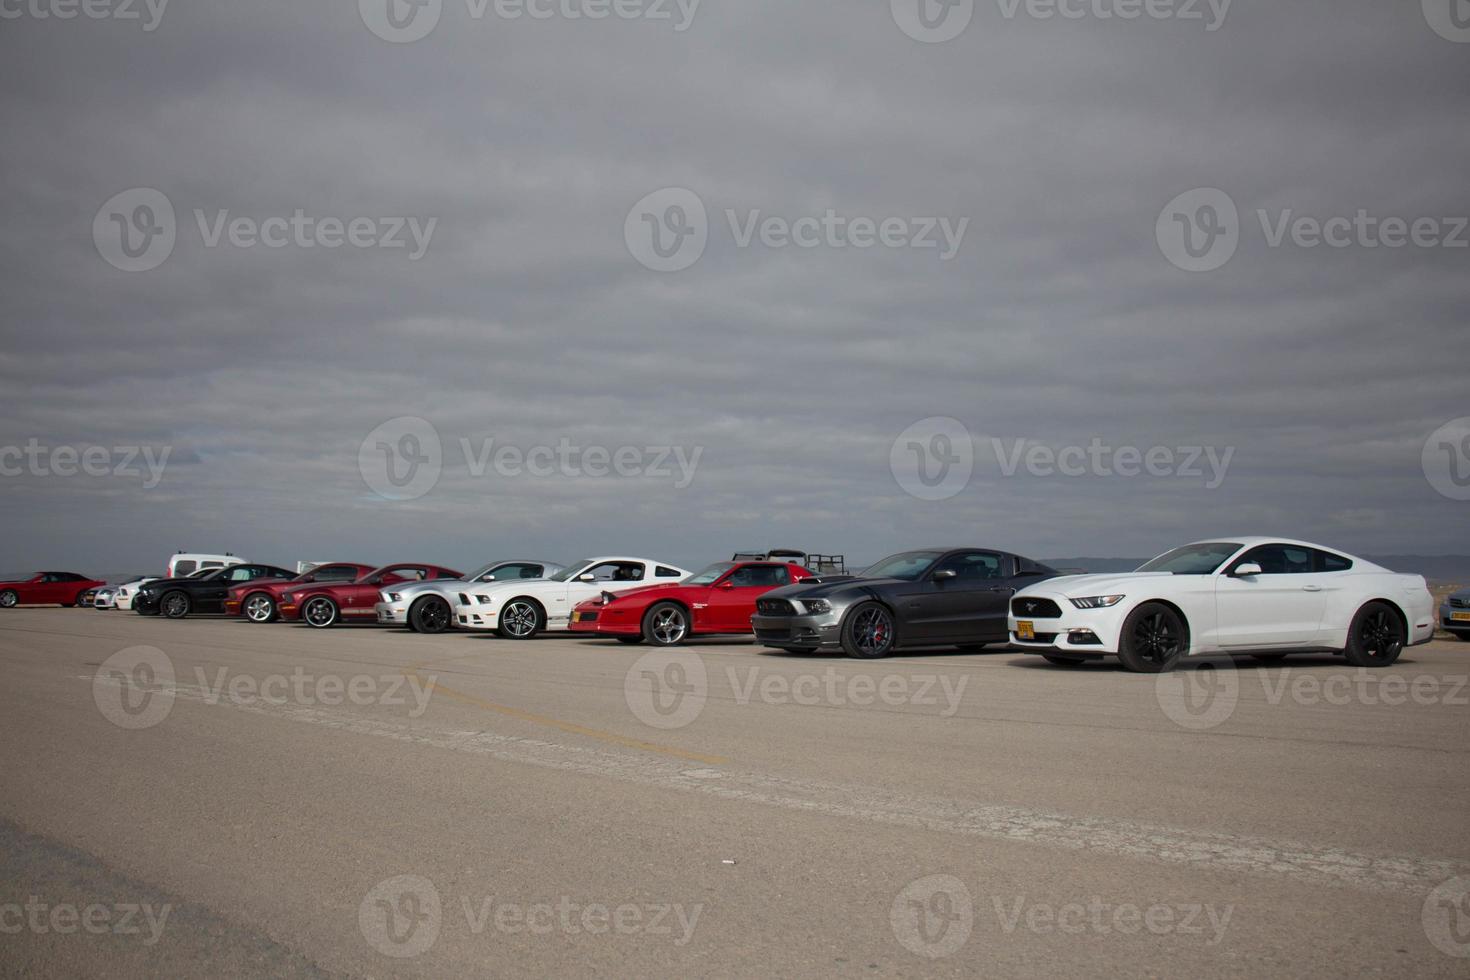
1438 569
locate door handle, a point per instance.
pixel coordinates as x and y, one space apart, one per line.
1311 588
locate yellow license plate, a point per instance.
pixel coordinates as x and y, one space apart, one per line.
1026 630
1460 617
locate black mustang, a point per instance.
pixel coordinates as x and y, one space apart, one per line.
199 593
940 597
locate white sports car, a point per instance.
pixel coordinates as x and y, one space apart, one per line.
1266 597
520 610
428 607
123 597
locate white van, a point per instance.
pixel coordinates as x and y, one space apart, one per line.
184 564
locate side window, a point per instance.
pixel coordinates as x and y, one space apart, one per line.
618 571
1328 562
1279 559
974 566
768 576
664 572
183 568
240 573
532 571
335 573
212 564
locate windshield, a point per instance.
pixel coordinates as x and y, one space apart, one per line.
908 566
571 571
708 575
1193 559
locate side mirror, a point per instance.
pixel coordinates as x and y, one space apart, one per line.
1247 570
727 584
589 577
945 574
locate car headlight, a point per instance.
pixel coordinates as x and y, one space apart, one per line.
817 605
288 597
392 596
1097 601
484 600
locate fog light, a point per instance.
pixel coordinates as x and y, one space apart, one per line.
1083 638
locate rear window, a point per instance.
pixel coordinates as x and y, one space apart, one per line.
667 572
182 568
1328 562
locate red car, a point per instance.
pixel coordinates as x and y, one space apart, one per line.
258 600
720 599
47 588
322 604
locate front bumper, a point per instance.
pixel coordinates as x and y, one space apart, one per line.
1449 623
475 615
606 621
392 613
1075 631
233 607
821 630
146 604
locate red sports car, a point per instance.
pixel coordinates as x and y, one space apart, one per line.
322 604
720 599
258 600
47 588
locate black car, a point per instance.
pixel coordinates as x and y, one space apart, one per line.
935 597
202 592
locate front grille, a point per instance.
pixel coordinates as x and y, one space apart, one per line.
1029 608
772 635
1459 603
774 607
1038 638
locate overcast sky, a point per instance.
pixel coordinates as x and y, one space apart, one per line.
995 244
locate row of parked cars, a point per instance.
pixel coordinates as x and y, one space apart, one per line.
1266 597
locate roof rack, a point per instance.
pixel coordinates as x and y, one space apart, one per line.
829 564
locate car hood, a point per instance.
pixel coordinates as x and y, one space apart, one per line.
1079 586
430 585
826 590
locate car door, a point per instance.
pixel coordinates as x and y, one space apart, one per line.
967 599
730 601
1281 607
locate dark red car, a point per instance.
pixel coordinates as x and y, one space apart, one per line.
258 601
720 599
322 604
46 589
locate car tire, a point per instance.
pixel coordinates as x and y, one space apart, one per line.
431 614
1154 639
630 639
1057 661
666 624
521 619
868 631
9 599
174 605
259 607
1376 636
320 612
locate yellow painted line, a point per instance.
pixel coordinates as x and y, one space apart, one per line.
565 726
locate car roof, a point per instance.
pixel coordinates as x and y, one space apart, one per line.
1253 540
